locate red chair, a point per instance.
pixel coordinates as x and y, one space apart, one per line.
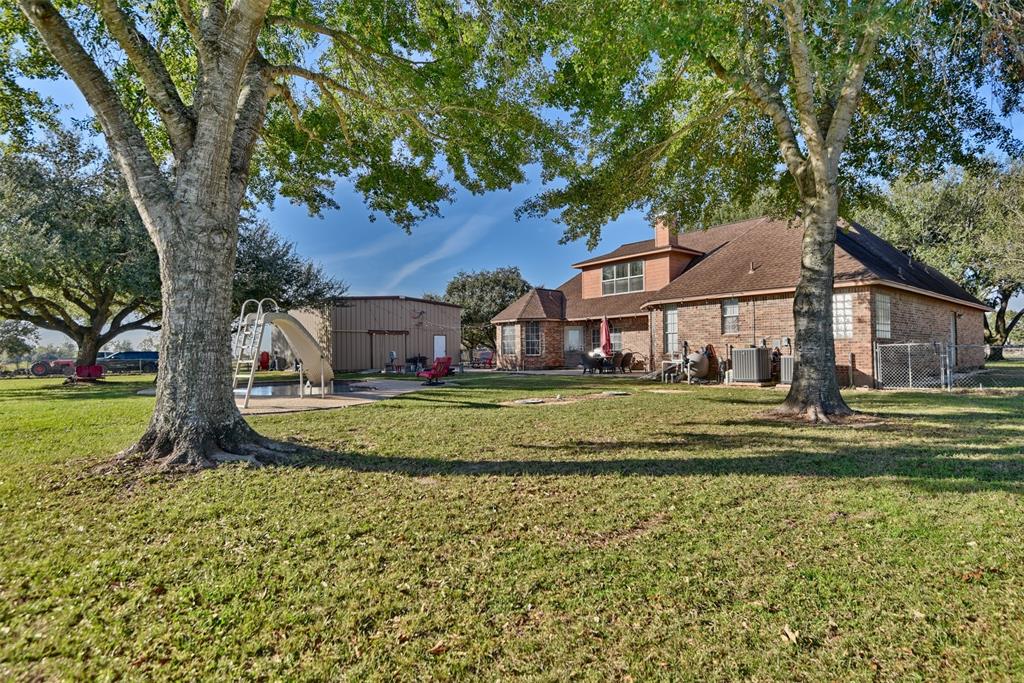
440 369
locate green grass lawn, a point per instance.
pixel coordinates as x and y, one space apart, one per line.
441 535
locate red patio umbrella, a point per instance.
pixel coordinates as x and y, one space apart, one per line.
606 337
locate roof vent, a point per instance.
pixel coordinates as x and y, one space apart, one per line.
752 268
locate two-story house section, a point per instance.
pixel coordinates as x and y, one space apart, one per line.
732 286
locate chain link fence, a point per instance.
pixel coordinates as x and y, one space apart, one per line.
937 365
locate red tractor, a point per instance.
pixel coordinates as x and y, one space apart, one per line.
61 366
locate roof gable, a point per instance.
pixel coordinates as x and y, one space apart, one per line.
537 304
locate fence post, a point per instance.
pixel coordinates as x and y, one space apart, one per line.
876 370
910 369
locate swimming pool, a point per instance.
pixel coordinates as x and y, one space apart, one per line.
286 389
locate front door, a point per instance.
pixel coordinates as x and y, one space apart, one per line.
573 346
440 346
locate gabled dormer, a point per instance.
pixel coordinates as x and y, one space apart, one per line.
644 266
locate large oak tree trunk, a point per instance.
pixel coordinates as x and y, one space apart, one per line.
814 393
195 421
88 349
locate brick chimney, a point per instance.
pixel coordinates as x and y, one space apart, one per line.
663 234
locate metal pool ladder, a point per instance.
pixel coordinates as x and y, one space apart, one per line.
245 344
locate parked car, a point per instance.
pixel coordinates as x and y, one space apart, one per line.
130 361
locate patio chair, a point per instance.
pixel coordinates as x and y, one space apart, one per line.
626 362
591 364
616 362
441 367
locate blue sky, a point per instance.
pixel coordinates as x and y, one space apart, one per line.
474 232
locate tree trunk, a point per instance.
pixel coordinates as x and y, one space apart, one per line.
195 421
88 349
814 393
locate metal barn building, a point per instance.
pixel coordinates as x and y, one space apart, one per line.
360 332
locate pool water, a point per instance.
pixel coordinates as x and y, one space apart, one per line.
292 389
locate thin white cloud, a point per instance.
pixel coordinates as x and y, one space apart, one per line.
458 241
373 249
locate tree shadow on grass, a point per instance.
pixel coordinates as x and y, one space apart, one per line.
926 467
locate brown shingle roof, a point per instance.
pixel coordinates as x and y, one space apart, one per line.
537 304
578 308
698 241
772 247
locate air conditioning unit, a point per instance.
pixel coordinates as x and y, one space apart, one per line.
786 370
751 365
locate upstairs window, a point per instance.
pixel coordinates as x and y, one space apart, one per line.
731 316
883 316
508 339
842 316
622 278
531 339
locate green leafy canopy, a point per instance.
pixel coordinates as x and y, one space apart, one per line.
404 100
667 122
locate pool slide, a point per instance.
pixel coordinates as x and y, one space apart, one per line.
306 350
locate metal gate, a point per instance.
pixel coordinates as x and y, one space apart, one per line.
938 365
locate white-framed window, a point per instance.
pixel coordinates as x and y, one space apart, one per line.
622 278
508 339
531 339
883 316
574 339
672 329
731 316
842 316
595 338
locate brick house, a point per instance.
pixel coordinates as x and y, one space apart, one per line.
732 286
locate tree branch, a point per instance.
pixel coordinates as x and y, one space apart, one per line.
189 19
849 93
326 83
250 114
146 185
770 101
118 326
803 77
1013 323
353 45
36 310
178 119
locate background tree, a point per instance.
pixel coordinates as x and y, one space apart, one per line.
968 224
75 257
696 105
201 99
16 339
118 346
269 266
482 295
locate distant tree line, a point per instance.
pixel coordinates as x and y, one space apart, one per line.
75 256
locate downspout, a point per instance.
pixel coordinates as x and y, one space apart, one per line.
650 338
753 341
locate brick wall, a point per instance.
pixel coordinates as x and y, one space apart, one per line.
917 318
771 318
551 344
